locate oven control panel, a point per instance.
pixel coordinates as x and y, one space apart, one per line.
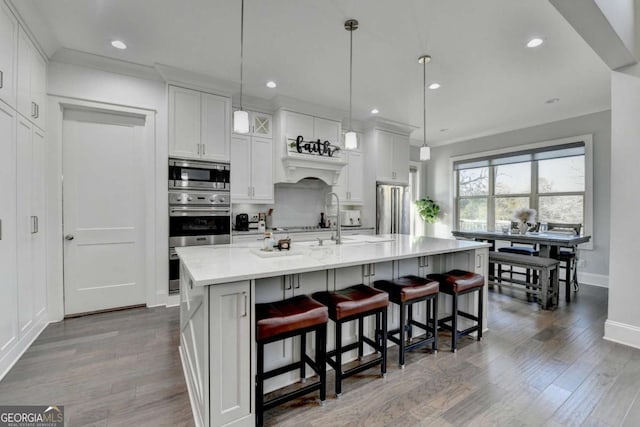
178 198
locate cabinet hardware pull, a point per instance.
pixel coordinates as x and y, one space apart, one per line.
1 79
37 111
298 280
245 304
33 109
33 225
198 149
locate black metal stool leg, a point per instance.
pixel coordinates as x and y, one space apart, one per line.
403 324
480 308
303 351
321 362
360 339
434 322
454 323
383 365
260 386
338 369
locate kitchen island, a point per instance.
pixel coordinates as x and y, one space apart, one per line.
219 286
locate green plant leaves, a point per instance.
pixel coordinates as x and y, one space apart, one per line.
428 209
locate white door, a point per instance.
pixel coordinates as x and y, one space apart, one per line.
103 211
25 225
356 170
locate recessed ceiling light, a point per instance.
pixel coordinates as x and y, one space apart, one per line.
271 84
444 129
118 44
434 85
535 42
375 111
552 101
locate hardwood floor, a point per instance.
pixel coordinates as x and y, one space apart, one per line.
532 368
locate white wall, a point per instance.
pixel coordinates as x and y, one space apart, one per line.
437 178
89 84
623 323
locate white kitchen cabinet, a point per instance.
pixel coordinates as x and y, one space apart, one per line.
30 225
31 81
199 125
8 55
261 124
230 323
9 334
251 169
391 154
298 124
215 125
350 183
326 130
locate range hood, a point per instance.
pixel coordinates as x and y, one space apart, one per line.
299 166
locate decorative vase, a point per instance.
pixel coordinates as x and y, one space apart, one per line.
523 227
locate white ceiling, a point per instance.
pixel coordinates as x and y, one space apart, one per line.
490 81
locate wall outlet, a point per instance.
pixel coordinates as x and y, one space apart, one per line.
582 262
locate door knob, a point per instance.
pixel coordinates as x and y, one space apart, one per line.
69 237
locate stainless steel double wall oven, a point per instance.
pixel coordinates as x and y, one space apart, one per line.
199 208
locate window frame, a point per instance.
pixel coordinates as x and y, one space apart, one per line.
534 195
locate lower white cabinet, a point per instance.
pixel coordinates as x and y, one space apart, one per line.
30 224
23 290
251 169
216 342
8 272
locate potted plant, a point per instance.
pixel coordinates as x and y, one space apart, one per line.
428 209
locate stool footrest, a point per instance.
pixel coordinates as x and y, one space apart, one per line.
282 370
362 367
291 395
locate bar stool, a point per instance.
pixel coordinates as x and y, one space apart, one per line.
345 305
405 292
456 283
284 319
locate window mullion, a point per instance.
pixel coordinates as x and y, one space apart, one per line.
491 199
533 198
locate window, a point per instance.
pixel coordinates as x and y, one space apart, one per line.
551 180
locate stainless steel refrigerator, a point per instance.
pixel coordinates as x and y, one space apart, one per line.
392 209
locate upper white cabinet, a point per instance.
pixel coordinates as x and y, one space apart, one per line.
8 52
251 169
326 130
350 183
261 124
311 128
199 125
31 82
390 152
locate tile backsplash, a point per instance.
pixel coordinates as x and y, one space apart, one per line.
295 205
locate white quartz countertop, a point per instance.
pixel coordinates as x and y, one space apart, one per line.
211 265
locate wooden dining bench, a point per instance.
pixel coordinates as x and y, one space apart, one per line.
546 287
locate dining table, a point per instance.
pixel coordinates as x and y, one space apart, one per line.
547 242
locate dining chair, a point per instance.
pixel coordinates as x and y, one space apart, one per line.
568 256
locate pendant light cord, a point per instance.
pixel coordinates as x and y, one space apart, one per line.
424 100
350 73
241 48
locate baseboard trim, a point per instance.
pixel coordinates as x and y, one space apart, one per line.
187 378
23 344
594 279
622 333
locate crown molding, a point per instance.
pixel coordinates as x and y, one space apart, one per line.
193 80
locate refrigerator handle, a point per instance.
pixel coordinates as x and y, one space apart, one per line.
392 217
394 210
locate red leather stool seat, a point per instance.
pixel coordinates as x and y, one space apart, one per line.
352 301
408 288
458 281
281 317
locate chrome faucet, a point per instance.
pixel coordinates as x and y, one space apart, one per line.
338 235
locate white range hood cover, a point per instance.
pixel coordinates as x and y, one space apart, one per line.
310 159
299 166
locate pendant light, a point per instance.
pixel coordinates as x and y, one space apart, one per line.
241 117
350 138
425 150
